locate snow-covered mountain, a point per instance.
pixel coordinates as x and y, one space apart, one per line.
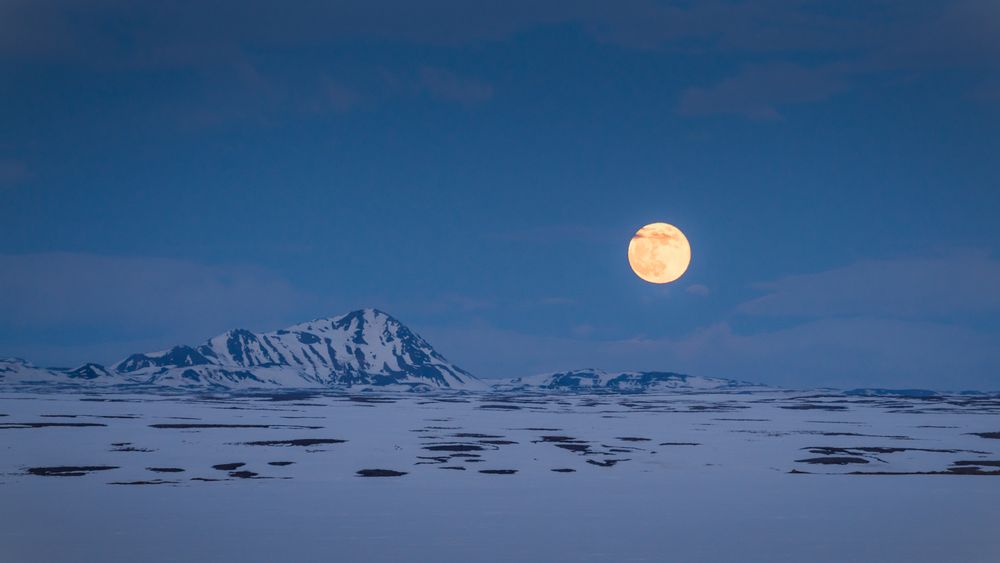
362 348
620 382
16 370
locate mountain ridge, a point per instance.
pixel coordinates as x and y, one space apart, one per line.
365 348
592 379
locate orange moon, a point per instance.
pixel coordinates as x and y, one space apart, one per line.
659 253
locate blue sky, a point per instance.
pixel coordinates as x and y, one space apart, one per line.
169 172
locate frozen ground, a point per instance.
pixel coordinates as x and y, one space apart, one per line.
762 476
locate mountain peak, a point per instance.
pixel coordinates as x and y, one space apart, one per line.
89 370
362 347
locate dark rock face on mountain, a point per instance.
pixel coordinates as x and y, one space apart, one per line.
178 356
90 372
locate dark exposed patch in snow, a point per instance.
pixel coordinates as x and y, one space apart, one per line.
295 442
832 460
16 425
68 470
380 473
228 466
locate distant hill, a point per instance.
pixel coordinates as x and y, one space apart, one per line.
619 382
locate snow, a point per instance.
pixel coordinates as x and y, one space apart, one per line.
731 497
654 466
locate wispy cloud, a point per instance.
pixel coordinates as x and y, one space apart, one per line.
901 322
556 301
557 233
894 35
340 97
988 92
445 85
760 90
165 34
698 289
119 298
958 283
13 172
849 352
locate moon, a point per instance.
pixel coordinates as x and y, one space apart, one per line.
659 253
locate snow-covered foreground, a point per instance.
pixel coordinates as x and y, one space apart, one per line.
761 476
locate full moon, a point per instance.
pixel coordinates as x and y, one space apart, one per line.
659 253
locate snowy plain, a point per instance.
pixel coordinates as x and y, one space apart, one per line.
763 475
